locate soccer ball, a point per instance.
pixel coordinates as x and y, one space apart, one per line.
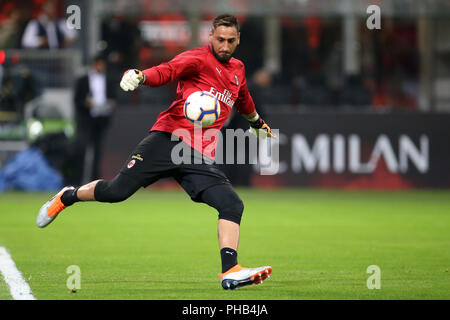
201 108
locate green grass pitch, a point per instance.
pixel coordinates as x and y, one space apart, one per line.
160 245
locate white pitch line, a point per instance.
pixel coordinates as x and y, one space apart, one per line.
19 288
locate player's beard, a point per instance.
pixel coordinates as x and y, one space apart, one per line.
221 59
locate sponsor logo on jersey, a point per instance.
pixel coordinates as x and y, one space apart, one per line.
137 157
224 97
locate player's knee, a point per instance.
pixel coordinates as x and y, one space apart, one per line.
224 199
232 211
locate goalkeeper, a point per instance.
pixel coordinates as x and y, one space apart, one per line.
210 68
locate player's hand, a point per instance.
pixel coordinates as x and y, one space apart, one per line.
260 129
131 79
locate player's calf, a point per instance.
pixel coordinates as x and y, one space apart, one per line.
116 190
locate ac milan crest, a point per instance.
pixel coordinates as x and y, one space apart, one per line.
131 164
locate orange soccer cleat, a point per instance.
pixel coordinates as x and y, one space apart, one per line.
238 276
50 210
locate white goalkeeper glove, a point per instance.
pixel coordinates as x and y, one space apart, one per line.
131 79
260 129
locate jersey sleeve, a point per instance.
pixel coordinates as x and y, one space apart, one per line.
184 64
244 103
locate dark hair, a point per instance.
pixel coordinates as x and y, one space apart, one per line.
226 20
100 56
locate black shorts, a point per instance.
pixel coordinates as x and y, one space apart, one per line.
151 160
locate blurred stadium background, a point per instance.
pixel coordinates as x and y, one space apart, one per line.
356 107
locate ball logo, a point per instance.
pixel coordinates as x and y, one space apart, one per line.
131 164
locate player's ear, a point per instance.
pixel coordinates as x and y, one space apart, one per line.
238 38
210 36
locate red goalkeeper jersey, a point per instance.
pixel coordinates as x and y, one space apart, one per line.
198 69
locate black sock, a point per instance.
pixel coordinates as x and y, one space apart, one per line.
229 258
69 197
